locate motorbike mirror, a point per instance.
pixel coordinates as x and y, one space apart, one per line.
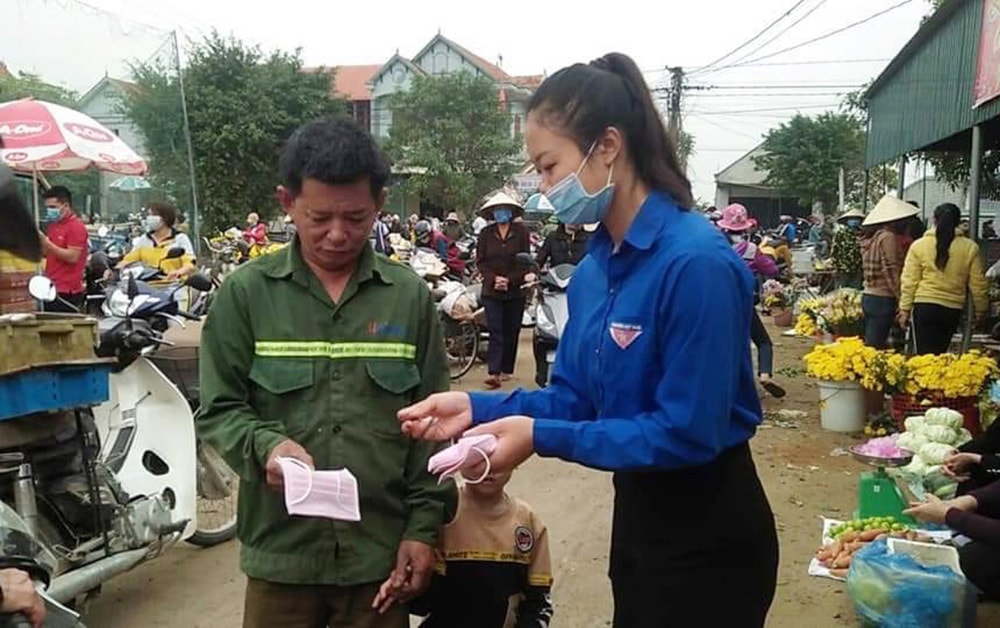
42 288
174 253
103 231
133 287
199 282
524 260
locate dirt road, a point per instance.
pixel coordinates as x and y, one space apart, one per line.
194 588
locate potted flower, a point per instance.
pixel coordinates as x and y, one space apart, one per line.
837 314
778 298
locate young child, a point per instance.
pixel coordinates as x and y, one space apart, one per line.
493 568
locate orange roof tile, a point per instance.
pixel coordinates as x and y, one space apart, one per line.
351 81
530 82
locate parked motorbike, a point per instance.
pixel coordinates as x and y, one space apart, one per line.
104 489
456 307
19 550
551 314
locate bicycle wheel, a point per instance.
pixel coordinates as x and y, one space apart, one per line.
461 343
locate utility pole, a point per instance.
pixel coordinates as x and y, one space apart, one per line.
674 124
190 146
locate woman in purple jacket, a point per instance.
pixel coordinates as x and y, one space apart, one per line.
737 224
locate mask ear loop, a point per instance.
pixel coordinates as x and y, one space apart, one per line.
486 473
298 463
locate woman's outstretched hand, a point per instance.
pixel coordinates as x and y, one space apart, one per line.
439 417
515 441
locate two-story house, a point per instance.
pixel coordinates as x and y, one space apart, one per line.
443 56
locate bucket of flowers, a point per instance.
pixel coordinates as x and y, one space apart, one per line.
834 315
778 299
842 370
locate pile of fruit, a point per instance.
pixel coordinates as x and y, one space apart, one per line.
850 536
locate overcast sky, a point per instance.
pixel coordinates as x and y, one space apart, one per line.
74 43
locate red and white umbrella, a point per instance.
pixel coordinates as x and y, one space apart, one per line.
43 137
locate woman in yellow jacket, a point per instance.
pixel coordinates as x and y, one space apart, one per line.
940 269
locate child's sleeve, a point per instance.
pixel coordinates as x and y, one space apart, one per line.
535 610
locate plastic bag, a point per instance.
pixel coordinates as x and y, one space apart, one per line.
895 591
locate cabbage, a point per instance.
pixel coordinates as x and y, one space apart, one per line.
911 441
914 423
916 467
944 416
939 434
935 453
964 436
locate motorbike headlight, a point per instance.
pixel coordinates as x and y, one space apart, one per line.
546 326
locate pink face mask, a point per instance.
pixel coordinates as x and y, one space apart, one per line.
464 454
311 493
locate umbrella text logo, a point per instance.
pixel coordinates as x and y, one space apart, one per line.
23 129
15 157
88 132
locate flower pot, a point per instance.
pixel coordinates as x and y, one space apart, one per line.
841 406
783 318
908 405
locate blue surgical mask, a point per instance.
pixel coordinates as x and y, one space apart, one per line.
152 223
853 223
571 202
502 215
52 214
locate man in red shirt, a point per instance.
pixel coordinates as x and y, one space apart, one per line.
65 244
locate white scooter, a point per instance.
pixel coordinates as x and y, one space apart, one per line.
143 467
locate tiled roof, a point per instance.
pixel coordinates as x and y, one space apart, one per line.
529 82
351 81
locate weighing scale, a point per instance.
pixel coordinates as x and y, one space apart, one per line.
878 493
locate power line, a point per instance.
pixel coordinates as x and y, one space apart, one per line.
791 63
766 94
763 110
835 32
727 129
755 37
782 86
773 39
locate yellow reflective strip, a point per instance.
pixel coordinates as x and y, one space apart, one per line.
334 350
540 580
496 557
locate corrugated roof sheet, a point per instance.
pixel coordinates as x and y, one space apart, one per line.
925 95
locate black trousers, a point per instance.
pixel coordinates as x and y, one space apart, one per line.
981 565
761 340
694 547
933 327
503 318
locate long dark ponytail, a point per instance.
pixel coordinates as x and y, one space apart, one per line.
946 219
584 100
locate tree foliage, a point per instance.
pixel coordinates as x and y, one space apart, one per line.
803 158
26 85
242 104
450 130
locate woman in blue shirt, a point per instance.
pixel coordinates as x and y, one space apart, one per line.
653 378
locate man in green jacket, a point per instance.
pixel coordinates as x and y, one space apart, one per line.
308 353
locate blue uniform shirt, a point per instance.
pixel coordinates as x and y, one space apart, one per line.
653 370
